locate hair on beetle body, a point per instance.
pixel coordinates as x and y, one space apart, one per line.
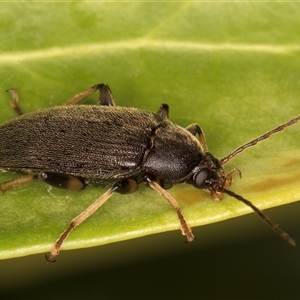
71 146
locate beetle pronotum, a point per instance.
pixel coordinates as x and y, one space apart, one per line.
71 146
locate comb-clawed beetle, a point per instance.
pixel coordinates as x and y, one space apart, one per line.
72 146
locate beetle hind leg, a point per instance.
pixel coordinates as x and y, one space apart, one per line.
11 184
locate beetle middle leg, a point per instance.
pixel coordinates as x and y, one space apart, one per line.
105 95
126 186
185 228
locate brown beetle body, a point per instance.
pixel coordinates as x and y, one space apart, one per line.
101 144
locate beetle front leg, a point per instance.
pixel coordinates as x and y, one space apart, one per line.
195 129
185 228
105 95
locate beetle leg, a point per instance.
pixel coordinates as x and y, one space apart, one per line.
164 111
125 186
185 228
5 186
195 129
15 101
62 181
105 95
77 221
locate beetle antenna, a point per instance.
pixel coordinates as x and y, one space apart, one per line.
265 136
273 226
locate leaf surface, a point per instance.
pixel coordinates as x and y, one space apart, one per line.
231 68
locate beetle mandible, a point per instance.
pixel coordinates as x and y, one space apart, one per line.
71 146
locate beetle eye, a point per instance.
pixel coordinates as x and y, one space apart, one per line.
199 178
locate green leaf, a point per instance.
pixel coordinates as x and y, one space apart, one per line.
231 68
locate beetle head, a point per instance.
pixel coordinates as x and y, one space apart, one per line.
210 176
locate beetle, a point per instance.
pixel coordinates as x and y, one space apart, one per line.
72 146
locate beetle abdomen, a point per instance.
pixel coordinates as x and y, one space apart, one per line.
99 141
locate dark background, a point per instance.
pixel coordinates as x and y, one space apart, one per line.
235 259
